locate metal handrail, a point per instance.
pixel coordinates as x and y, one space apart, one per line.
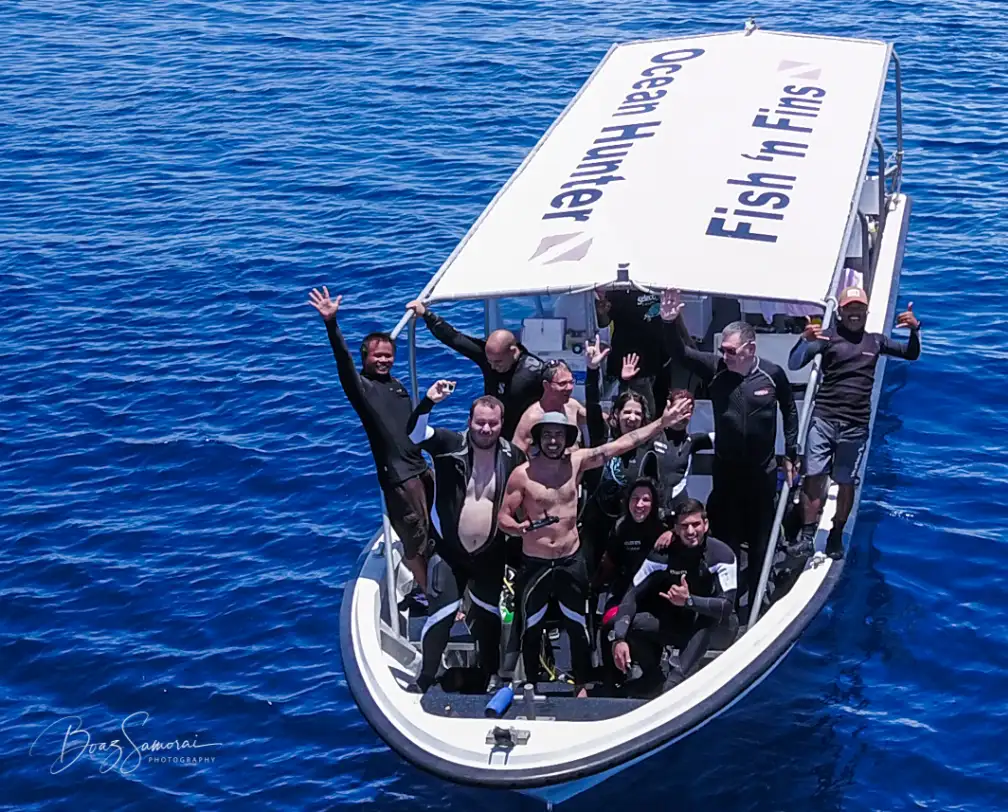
803 424
866 265
898 178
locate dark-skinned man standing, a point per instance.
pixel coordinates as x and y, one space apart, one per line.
384 407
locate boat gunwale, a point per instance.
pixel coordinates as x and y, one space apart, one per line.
555 773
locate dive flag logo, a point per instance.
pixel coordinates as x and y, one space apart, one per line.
562 248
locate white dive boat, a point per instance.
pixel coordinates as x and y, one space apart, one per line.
744 169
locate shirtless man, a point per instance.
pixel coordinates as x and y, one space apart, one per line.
558 383
544 491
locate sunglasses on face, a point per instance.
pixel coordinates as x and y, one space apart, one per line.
731 352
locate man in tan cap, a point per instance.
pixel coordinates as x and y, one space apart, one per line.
838 431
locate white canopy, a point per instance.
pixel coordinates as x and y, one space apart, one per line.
725 164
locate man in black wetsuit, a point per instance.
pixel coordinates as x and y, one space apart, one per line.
471 471
838 431
510 372
681 602
383 406
636 326
745 391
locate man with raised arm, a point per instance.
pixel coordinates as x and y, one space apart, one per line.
745 391
541 506
555 396
383 406
510 372
838 431
471 471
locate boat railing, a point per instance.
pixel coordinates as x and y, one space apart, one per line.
785 494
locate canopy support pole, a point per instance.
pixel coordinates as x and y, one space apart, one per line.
803 424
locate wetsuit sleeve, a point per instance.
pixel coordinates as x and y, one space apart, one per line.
909 350
702 364
804 351
417 426
350 379
431 440
701 441
598 433
722 603
789 412
471 348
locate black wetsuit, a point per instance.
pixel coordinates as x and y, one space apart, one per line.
741 504
384 407
668 460
649 622
629 545
482 570
638 329
517 389
540 583
848 369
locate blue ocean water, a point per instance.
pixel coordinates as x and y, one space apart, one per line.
185 487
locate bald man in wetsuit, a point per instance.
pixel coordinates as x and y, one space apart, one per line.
510 372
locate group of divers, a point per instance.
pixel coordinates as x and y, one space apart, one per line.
590 509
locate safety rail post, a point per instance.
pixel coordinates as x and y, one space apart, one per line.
414 384
866 265
390 590
898 177
881 196
803 423
390 584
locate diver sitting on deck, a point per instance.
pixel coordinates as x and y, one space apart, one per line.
680 602
471 470
545 491
838 430
383 406
510 372
555 396
638 532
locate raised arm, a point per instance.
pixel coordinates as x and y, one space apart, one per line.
507 519
598 432
587 458
810 344
472 348
345 367
420 431
702 364
909 350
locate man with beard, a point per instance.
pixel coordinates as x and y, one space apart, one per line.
679 602
838 431
510 372
471 470
544 493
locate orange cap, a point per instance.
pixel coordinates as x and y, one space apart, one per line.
852 294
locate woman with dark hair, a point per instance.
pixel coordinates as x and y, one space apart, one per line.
608 489
632 540
667 460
